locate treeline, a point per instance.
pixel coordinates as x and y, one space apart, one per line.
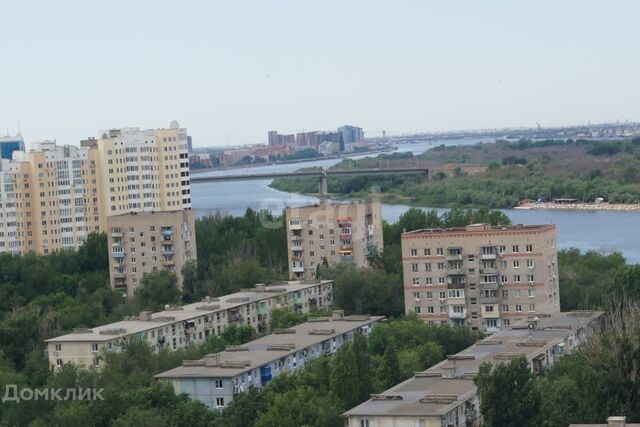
515 170
598 380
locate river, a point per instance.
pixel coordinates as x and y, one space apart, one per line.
599 230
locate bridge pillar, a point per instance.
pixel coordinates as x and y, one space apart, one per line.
426 175
323 186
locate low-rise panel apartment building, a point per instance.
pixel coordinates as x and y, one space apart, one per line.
216 379
332 233
481 275
183 326
445 394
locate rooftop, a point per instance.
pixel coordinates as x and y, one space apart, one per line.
280 343
448 384
480 228
171 315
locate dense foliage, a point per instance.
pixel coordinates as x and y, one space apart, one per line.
598 380
507 172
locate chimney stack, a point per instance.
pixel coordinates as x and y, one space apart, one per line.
616 421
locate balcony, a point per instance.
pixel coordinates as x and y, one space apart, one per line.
490 270
296 258
455 257
167 233
451 285
488 256
119 275
116 234
347 258
297 248
489 285
295 225
457 314
345 236
297 268
119 254
455 272
168 262
295 238
120 285
167 251
489 300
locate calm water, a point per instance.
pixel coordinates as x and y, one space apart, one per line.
600 230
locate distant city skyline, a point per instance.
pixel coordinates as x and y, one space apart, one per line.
230 72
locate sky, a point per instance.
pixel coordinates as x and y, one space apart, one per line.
230 71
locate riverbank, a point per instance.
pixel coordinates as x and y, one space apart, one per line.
622 207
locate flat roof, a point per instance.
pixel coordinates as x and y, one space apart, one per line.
480 228
429 394
169 316
258 353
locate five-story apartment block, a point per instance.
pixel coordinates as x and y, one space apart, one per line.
332 233
480 275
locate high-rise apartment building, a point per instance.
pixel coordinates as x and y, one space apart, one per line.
350 138
9 144
53 196
332 233
481 275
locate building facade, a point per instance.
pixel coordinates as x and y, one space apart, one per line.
54 196
332 233
184 326
147 243
446 395
351 137
482 276
9 144
216 379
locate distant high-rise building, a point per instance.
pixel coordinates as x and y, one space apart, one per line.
274 138
307 139
350 137
9 144
189 144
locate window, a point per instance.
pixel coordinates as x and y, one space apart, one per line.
414 268
58 362
364 422
505 293
428 280
530 278
220 402
416 309
430 309
217 384
441 266
491 323
505 308
440 251
530 263
427 266
441 280
515 249
516 278
443 295
415 281
427 251
518 308
532 308
416 295
488 308
94 347
532 293
529 248
516 263
58 347
516 293
414 252
429 295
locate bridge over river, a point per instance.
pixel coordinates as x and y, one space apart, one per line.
322 175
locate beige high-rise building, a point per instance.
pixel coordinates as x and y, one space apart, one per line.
54 196
481 275
332 232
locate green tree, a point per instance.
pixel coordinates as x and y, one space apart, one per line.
157 290
283 318
344 377
508 395
364 371
390 366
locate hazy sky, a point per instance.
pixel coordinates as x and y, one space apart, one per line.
231 70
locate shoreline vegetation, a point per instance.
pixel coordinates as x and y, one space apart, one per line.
621 207
524 174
